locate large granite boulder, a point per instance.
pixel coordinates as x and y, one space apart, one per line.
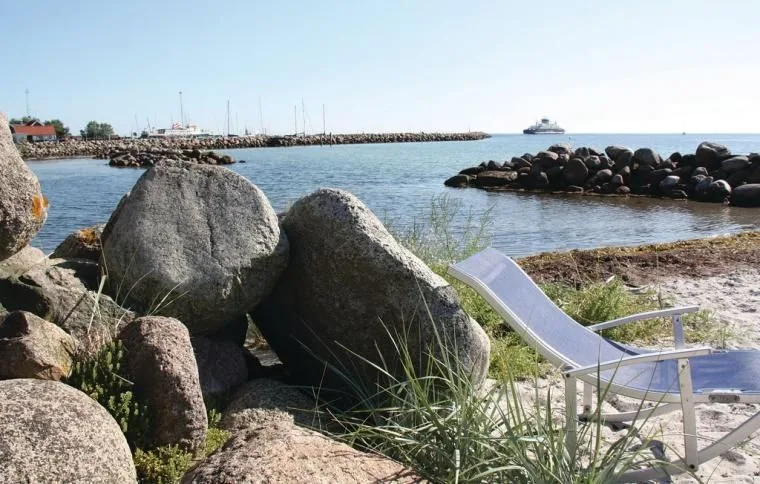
81 244
348 285
23 208
21 261
52 432
203 238
161 364
31 347
279 451
64 292
262 395
221 365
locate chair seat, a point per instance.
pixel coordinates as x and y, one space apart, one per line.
737 370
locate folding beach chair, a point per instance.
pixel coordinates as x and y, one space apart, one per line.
673 379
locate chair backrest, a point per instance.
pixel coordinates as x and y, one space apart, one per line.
524 306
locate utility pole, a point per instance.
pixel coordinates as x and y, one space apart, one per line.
181 110
28 109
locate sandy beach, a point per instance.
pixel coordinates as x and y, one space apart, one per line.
735 298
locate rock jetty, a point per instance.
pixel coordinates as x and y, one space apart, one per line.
144 158
112 350
102 148
712 174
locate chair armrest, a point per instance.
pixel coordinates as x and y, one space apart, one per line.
645 358
662 313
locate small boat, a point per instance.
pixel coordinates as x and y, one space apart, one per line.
545 126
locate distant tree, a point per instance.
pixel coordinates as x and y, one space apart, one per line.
61 131
23 120
96 130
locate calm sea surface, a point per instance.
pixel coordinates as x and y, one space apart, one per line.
398 182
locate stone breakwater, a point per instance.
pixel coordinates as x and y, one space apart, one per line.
136 158
101 148
712 174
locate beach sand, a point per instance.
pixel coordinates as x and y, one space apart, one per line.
735 299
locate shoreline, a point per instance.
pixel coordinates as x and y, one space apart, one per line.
101 148
644 264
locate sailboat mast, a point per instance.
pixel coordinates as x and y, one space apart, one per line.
303 116
181 110
324 125
261 116
228 117
295 120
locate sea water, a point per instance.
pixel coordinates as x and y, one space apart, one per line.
399 181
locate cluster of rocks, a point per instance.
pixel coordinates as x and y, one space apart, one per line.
712 174
204 267
101 148
136 158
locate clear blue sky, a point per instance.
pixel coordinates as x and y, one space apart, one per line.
595 66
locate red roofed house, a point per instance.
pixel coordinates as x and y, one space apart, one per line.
32 131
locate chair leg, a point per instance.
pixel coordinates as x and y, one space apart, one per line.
588 394
571 417
728 441
689 415
687 398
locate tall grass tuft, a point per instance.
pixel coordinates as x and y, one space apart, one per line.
441 425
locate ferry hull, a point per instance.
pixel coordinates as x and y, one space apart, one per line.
543 131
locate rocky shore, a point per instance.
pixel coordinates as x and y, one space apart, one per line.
712 174
101 148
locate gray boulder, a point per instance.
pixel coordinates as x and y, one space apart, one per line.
21 262
279 451
257 397
64 292
602 176
614 151
31 347
669 182
647 157
735 163
458 181
495 178
52 432
221 365
23 207
746 195
561 149
213 257
82 244
710 154
161 364
575 172
348 284
518 163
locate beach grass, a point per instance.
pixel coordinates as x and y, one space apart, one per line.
449 430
